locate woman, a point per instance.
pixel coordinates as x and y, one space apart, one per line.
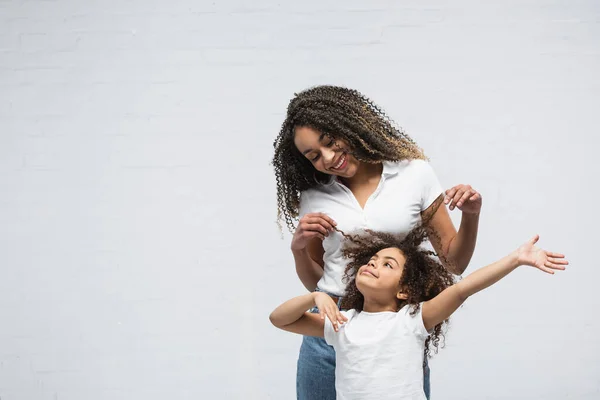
341 162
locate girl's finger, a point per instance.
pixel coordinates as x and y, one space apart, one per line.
560 261
554 266
555 255
322 314
534 239
545 269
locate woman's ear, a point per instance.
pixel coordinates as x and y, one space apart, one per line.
401 296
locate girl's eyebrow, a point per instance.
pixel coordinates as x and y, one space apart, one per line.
391 258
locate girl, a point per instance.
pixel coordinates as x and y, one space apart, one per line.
398 298
341 162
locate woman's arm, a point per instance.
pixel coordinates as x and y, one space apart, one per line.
307 247
309 263
456 247
292 316
443 305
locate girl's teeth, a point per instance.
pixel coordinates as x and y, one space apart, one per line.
339 164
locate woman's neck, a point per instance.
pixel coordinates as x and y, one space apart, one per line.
375 305
365 173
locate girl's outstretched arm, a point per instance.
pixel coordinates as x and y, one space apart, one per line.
292 316
443 305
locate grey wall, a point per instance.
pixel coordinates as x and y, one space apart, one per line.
139 256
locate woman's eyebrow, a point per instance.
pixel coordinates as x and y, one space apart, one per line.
305 152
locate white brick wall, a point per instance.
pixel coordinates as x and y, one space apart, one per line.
139 257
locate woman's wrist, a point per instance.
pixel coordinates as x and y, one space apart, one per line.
471 216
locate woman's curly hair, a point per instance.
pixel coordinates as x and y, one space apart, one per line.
339 113
423 276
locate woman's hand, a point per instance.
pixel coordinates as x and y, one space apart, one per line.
467 199
328 307
312 225
529 254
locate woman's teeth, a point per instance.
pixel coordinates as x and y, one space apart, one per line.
339 164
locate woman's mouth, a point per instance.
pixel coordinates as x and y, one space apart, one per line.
341 163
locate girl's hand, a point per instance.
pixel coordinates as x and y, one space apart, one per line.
310 226
529 254
328 307
467 199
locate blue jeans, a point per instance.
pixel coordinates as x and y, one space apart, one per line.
315 376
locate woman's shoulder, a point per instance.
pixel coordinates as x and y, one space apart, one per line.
407 166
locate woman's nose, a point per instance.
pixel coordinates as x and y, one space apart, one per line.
328 156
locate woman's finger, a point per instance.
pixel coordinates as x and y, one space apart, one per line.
555 255
475 196
320 221
315 228
464 198
450 194
328 219
456 198
313 234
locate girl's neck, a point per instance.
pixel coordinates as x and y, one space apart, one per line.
365 173
375 305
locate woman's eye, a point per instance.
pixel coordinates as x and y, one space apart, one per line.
331 143
315 158
388 265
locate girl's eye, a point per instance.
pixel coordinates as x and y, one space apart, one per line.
388 265
315 158
331 143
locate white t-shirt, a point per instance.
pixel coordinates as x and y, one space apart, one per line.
379 355
406 188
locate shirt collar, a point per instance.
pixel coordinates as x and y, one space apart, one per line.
389 168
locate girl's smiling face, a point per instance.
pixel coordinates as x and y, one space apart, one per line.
380 277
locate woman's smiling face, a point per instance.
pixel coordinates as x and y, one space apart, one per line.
326 155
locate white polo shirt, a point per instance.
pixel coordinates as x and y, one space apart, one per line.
406 188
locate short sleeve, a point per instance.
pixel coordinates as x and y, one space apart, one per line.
331 336
415 322
430 185
304 207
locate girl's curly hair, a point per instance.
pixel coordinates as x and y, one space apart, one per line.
339 113
423 276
